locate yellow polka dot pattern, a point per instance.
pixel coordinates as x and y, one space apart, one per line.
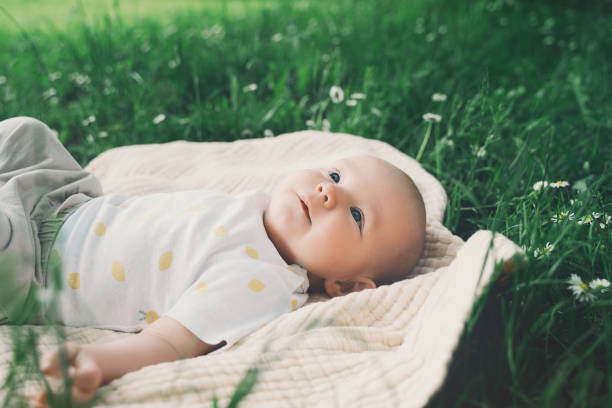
251 252
256 285
74 280
144 218
165 261
220 231
99 229
151 316
118 271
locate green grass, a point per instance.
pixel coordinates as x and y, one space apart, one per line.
528 84
66 14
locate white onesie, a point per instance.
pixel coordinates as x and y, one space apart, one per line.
200 257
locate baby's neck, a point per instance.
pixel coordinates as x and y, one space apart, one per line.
316 284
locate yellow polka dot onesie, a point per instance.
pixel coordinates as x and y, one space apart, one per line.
200 257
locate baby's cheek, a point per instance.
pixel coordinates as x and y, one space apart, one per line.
328 253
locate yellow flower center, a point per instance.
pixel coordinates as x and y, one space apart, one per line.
584 286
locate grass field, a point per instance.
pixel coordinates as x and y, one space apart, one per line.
527 97
66 14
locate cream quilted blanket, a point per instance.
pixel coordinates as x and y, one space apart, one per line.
377 348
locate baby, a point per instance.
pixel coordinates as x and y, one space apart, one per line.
224 265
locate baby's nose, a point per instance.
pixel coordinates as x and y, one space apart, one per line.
327 191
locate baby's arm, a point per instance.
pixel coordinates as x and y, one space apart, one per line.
93 365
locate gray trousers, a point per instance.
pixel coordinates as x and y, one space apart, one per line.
40 183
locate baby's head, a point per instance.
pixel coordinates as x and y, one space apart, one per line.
354 225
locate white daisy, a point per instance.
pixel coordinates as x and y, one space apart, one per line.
579 289
358 95
481 152
54 76
250 88
587 219
159 118
562 216
438 97
432 117
49 93
80 79
89 120
136 77
336 94
2 79
539 185
268 133
601 284
310 123
326 126
544 251
351 102
559 183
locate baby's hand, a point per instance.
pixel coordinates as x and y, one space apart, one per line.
84 374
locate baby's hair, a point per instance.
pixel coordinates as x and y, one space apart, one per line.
402 264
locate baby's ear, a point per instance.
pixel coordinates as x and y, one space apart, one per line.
340 288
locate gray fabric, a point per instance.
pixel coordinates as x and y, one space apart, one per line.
40 183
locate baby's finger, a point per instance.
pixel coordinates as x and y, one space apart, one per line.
51 361
88 376
82 396
37 400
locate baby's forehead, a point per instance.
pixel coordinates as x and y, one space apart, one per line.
380 173
356 161
371 166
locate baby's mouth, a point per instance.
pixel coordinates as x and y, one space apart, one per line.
305 209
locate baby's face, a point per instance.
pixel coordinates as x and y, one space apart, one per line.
342 221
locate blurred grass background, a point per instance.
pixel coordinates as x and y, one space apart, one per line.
528 98
66 14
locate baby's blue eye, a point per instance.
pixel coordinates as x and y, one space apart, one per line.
356 215
335 176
